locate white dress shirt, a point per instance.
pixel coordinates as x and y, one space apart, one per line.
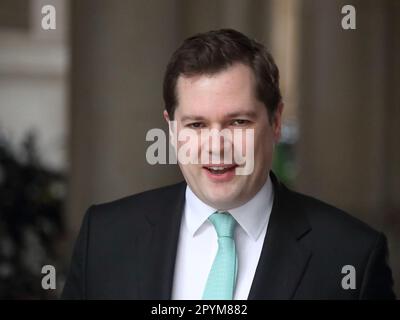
198 243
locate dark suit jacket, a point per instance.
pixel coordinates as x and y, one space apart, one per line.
126 249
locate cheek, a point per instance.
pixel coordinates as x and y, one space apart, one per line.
244 142
188 149
259 140
264 144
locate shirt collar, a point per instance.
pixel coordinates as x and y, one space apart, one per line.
251 216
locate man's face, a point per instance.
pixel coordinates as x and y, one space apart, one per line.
225 100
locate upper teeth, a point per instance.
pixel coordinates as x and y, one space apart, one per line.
217 168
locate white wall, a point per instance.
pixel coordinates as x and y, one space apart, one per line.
33 84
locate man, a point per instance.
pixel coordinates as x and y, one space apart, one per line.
219 234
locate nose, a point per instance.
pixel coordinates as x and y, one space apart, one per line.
217 145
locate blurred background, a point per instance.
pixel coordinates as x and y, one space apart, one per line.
77 101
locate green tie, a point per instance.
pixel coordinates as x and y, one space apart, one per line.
222 277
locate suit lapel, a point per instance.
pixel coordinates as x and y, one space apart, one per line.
158 245
283 259
281 266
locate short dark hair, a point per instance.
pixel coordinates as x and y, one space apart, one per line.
214 51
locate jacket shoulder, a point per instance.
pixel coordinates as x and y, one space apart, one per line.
134 206
330 221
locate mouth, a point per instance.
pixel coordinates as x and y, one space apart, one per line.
220 173
220 169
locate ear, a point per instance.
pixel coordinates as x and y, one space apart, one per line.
169 123
171 128
277 122
166 116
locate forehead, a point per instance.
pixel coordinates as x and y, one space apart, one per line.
229 89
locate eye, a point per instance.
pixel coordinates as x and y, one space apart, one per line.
195 125
239 122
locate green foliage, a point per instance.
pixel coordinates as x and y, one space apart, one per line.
31 225
283 163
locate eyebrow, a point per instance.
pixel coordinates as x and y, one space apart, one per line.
191 118
249 114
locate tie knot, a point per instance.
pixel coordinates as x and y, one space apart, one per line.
223 223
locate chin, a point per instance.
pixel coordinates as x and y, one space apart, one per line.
222 200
